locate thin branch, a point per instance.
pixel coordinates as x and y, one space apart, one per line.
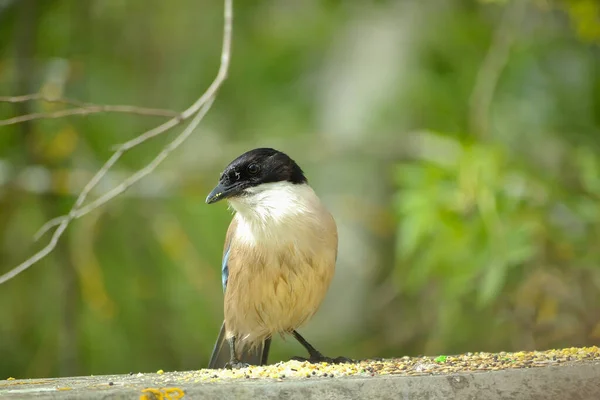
24 98
210 92
90 110
81 109
492 66
49 225
198 110
127 183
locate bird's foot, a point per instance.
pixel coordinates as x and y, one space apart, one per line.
235 364
319 358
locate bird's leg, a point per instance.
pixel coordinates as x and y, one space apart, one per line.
315 355
234 362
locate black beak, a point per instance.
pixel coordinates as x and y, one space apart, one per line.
221 192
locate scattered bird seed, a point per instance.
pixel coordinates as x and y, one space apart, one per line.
480 362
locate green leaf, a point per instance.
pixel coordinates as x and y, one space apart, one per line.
440 359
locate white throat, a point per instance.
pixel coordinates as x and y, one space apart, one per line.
276 212
273 202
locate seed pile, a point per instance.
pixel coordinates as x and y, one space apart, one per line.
407 366
172 385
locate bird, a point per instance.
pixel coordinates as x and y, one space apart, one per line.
278 259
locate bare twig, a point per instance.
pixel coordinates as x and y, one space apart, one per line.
49 225
492 66
81 109
82 104
22 99
197 110
87 111
123 186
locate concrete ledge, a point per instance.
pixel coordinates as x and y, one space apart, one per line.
575 380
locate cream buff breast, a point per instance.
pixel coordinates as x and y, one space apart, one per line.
282 260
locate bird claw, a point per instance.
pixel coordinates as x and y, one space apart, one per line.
343 360
236 365
321 358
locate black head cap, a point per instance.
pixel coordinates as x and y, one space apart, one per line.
253 168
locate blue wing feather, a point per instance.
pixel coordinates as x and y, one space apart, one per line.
225 269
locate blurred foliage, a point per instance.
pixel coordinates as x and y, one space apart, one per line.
585 16
486 234
492 240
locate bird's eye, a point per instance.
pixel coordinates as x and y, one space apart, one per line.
253 168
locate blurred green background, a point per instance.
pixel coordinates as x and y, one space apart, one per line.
456 143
